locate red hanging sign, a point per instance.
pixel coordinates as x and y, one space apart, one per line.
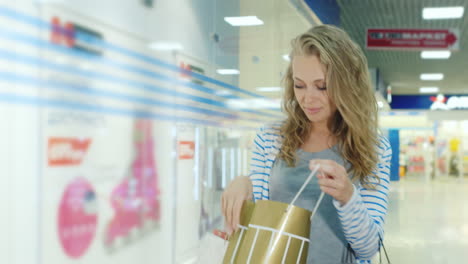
419 39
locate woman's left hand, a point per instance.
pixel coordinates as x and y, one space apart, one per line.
333 180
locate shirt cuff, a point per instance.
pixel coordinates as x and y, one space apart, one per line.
350 204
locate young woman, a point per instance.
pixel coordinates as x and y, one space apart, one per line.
331 121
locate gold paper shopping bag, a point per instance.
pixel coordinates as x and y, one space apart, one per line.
236 239
272 232
276 235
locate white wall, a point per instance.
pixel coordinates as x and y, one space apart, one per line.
19 163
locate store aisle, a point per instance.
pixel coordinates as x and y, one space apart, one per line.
428 222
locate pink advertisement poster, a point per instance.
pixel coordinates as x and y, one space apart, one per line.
77 217
136 199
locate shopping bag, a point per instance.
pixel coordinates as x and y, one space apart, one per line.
272 232
381 245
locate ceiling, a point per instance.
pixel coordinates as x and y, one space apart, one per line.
401 69
261 48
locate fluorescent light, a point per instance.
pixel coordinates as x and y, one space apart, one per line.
165 46
227 71
443 54
429 89
443 12
268 89
243 21
286 57
432 76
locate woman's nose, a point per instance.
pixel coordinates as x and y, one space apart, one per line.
312 93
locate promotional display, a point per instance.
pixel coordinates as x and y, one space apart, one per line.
136 200
67 151
451 148
77 217
73 192
414 154
107 202
186 150
101 180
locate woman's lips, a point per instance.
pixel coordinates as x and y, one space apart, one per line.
312 110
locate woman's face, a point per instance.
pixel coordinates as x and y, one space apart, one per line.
310 89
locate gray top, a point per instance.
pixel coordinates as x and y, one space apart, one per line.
327 242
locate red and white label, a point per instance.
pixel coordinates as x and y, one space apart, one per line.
67 151
62 33
420 39
186 150
185 70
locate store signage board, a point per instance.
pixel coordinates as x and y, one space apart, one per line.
453 102
426 102
413 39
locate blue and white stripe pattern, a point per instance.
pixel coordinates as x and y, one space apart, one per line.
362 218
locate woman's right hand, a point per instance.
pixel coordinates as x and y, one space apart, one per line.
239 190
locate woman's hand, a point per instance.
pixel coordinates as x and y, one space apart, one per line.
333 180
239 190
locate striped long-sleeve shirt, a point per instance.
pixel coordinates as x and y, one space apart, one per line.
362 218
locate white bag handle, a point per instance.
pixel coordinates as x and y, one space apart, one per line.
311 175
287 215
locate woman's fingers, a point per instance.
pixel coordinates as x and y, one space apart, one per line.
330 171
233 197
327 182
334 181
232 208
328 190
236 214
224 210
315 162
229 215
328 168
223 206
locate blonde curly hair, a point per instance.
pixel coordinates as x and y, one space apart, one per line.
354 124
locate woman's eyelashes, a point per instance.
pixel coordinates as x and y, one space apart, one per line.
323 88
320 88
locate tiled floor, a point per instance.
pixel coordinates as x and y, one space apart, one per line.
427 222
